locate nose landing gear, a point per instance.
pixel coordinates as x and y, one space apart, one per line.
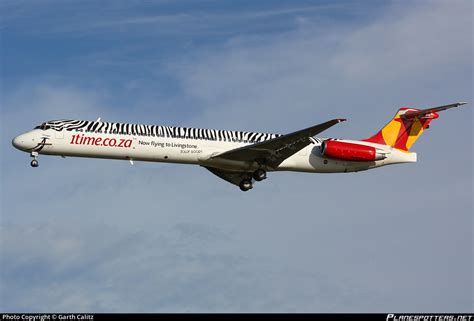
34 162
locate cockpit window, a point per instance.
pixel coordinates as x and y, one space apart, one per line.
43 126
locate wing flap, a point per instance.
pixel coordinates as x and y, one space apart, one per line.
229 176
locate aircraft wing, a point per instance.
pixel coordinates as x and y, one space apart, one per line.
274 151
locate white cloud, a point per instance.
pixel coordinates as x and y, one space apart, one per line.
112 270
405 44
403 57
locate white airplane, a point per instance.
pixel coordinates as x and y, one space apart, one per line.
235 156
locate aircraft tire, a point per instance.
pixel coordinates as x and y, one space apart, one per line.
259 175
246 185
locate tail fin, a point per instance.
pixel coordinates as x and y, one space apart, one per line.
407 125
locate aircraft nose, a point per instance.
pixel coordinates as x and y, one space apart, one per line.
24 142
16 142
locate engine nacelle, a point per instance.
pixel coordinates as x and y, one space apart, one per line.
351 152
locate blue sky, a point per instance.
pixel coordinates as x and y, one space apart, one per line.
103 236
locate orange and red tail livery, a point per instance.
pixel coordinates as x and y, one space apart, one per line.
407 125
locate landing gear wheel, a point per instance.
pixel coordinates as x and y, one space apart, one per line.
34 163
259 175
246 185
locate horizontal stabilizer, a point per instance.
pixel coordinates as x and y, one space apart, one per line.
410 114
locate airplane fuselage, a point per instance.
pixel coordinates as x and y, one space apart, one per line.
183 145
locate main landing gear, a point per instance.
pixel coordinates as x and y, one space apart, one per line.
246 184
34 162
259 175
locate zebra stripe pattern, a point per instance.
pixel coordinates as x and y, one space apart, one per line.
160 131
